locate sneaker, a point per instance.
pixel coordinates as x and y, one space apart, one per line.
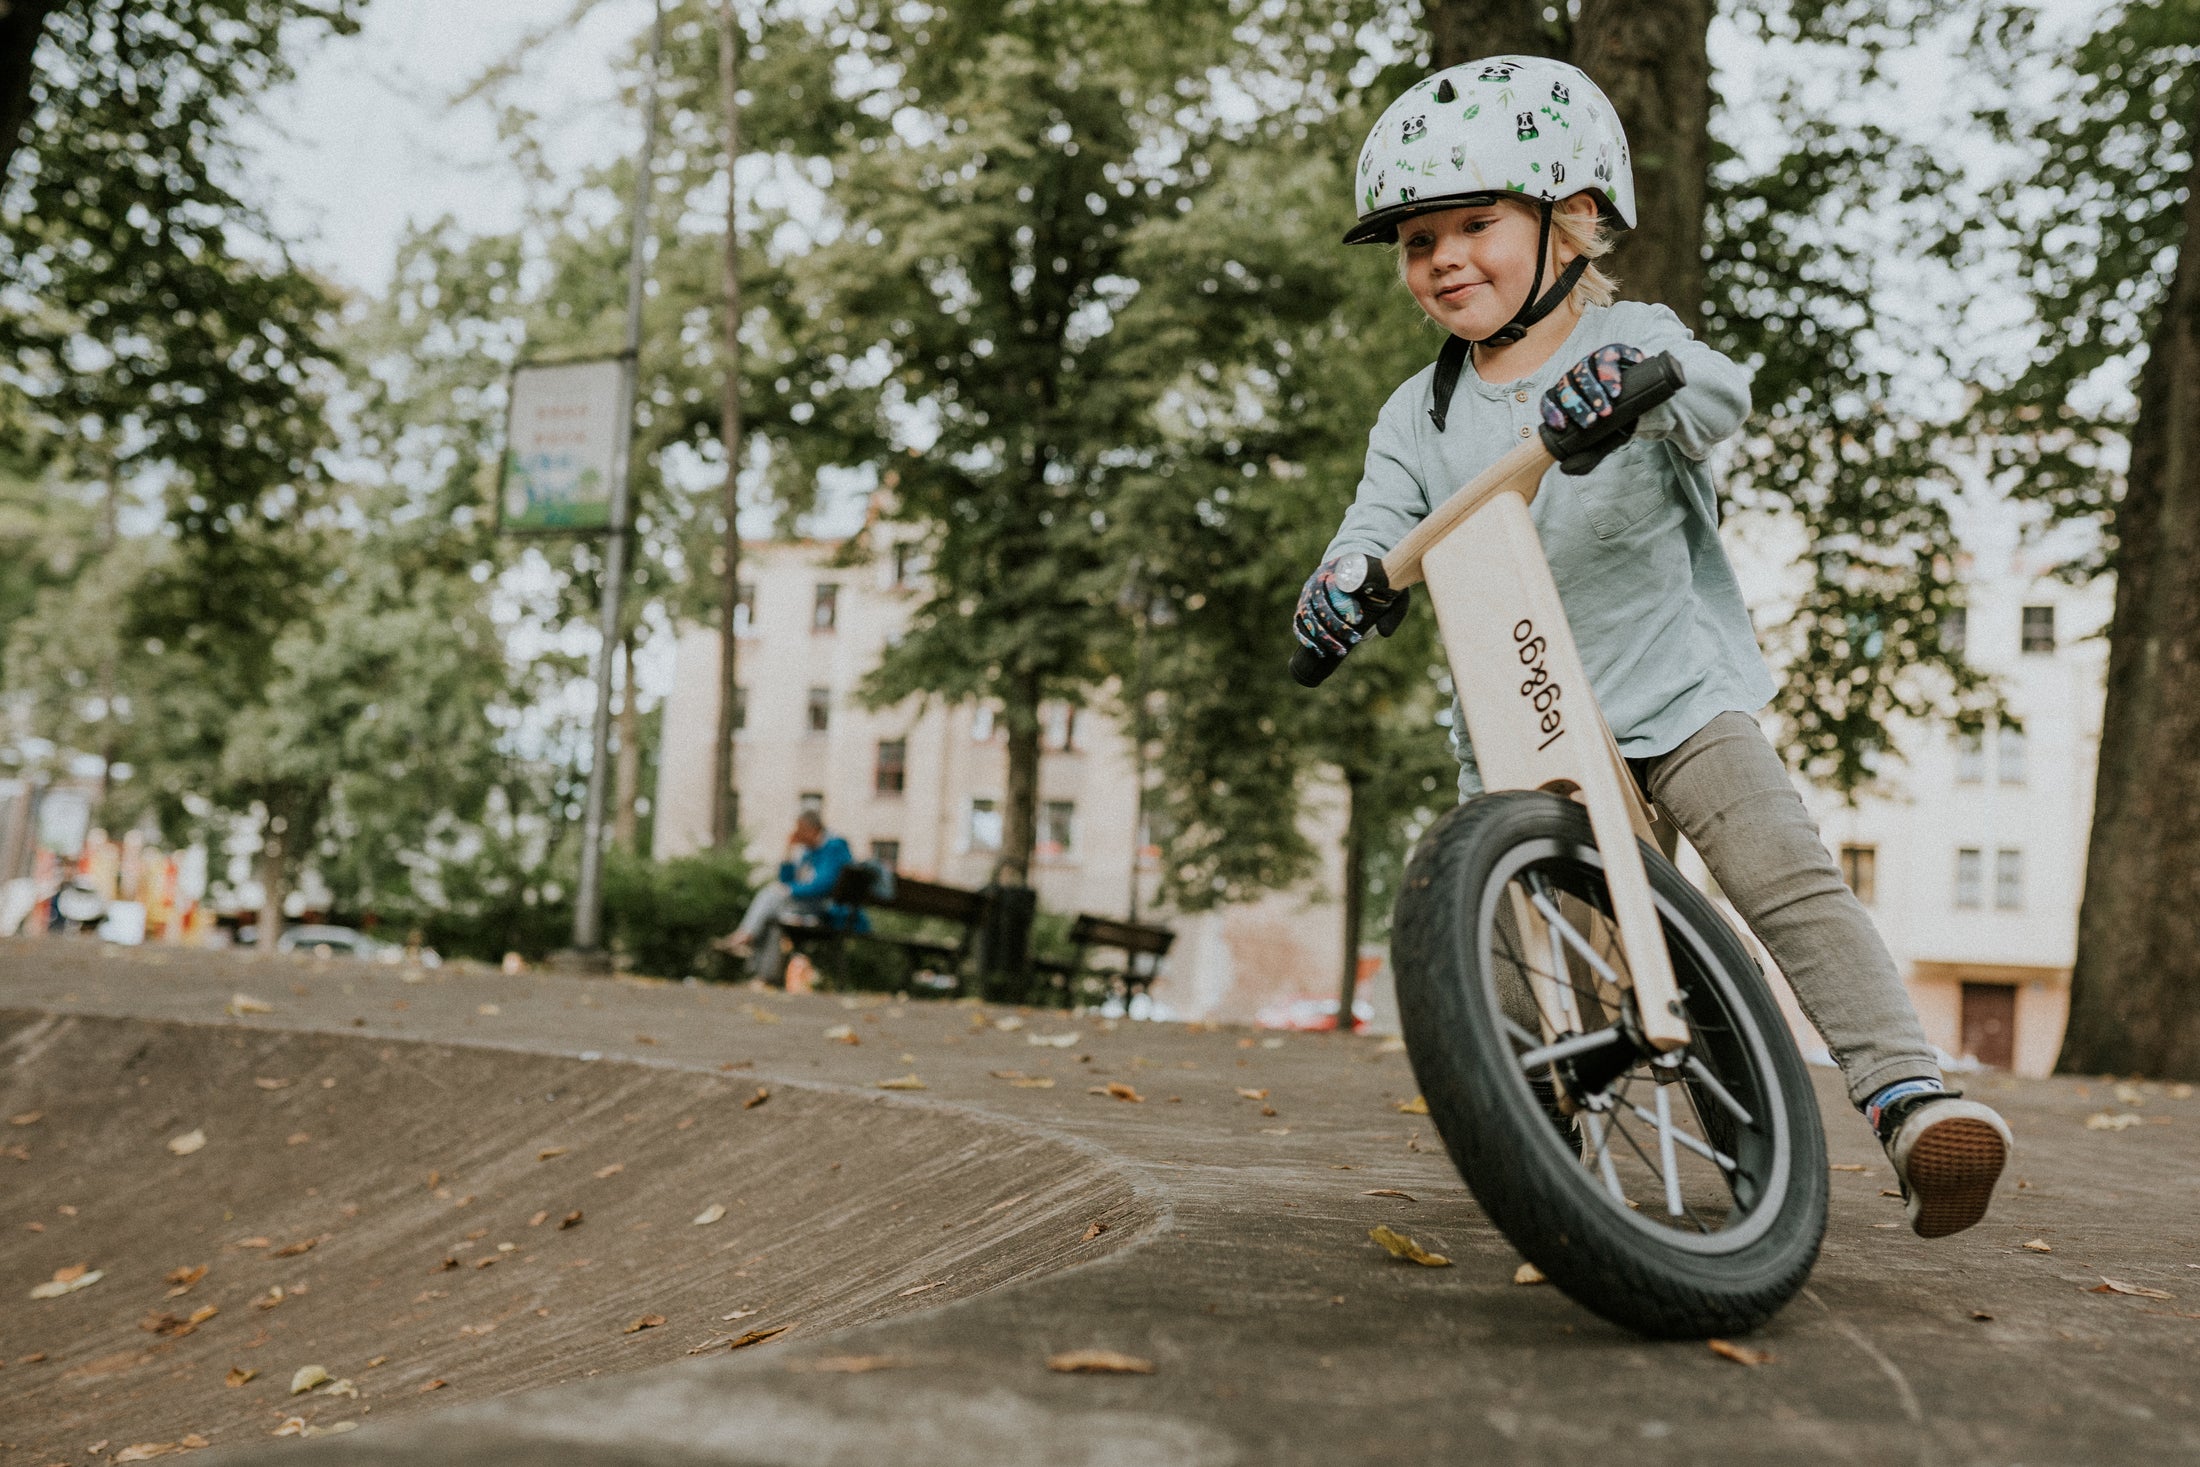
1949 1152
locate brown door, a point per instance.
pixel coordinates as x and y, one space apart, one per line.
1990 1023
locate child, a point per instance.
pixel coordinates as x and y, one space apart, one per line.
1634 545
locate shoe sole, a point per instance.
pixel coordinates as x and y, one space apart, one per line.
1952 1171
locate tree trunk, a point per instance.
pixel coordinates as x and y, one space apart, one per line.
2135 994
1355 894
274 873
1652 61
627 773
1020 820
1467 30
724 798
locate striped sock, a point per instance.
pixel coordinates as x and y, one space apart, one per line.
1884 1097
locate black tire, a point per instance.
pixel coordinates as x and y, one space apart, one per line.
1647 1269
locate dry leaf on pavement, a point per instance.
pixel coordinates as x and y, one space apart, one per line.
183 1278
1389 1192
843 1034
27 1118
488 1010
238 1376
758 1336
903 1082
1093 1230
269 1082
306 1378
2108 1285
174 1326
433 1385
1252 1094
1528 1273
1053 1041
1118 1090
1401 1246
853 1364
241 1004
710 1214
1739 1354
68 1281
604 1173
1009 1024
647 1321
1098 1362
2038 1245
920 1289
1417 1106
292 1250
147 1451
1846 1166
187 1143
2106 1122
551 1153
763 1093
570 1220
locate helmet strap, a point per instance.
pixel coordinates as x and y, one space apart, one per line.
1534 308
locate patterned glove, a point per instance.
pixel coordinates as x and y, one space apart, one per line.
1332 621
1588 388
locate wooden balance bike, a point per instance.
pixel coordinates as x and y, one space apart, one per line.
1597 1045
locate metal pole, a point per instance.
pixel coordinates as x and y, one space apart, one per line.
588 902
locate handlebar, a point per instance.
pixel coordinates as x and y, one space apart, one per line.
1643 385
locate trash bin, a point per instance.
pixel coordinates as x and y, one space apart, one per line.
1004 943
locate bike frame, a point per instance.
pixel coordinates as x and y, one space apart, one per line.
1529 708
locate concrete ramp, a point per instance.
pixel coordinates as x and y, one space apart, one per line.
437 1224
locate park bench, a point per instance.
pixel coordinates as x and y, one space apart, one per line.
1142 946
856 888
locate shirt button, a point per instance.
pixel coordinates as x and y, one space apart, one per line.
1523 432
1520 397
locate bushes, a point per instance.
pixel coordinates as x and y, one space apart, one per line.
661 916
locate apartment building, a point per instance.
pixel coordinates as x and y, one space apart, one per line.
921 786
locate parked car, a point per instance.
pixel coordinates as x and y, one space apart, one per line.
322 940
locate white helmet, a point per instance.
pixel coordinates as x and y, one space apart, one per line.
1509 124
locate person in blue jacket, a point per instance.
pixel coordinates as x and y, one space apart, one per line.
815 859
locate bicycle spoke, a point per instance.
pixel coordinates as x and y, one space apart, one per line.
1719 1093
1605 1168
1668 1164
1682 1138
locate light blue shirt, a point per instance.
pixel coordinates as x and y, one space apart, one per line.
1634 544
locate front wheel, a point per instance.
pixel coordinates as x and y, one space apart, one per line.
1678 1195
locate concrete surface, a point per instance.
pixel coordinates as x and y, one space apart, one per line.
926 1281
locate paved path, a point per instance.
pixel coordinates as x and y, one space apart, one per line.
1234 1253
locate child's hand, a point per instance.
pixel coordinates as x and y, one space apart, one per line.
1588 389
1328 620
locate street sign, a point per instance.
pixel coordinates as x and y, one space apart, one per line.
565 432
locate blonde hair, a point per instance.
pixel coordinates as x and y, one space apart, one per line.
1591 240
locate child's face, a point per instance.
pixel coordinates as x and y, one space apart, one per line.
1471 268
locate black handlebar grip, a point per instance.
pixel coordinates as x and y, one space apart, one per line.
1643 385
1310 668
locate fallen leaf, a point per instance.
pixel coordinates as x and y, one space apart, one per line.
647 1321
1890 1192
1098 1362
68 1281
1528 1273
2130 1095
2038 1245
2108 1285
1390 1192
2106 1122
1275 1130
1120 1091
570 1220
334 1428
306 1378
1252 1094
903 1082
295 1426
1417 1106
187 1143
1846 1166
763 1093
266 1082
604 1172
1980 1314
758 1336
1739 1354
1008 1025
644 1039
292 1250
740 1314
919 1289
298 1138
241 1004
843 1034
488 1010
27 1118
1053 1041
538 1219
183 1279
174 1326
1401 1246
147 1451
710 1214
434 1385
1093 1230
239 1375
342 1388
852 1364
551 1153
377 1360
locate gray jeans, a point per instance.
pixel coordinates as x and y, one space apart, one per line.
761 925
1730 795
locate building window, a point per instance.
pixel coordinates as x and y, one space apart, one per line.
981 723
810 802
908 562
2009 754
1955 630
1860 869
740 709
1057 828
893 765
887 853
744 608
983 832
821 709
1970 877
2038 633
825 610
2008 879
1058 726
1970 757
